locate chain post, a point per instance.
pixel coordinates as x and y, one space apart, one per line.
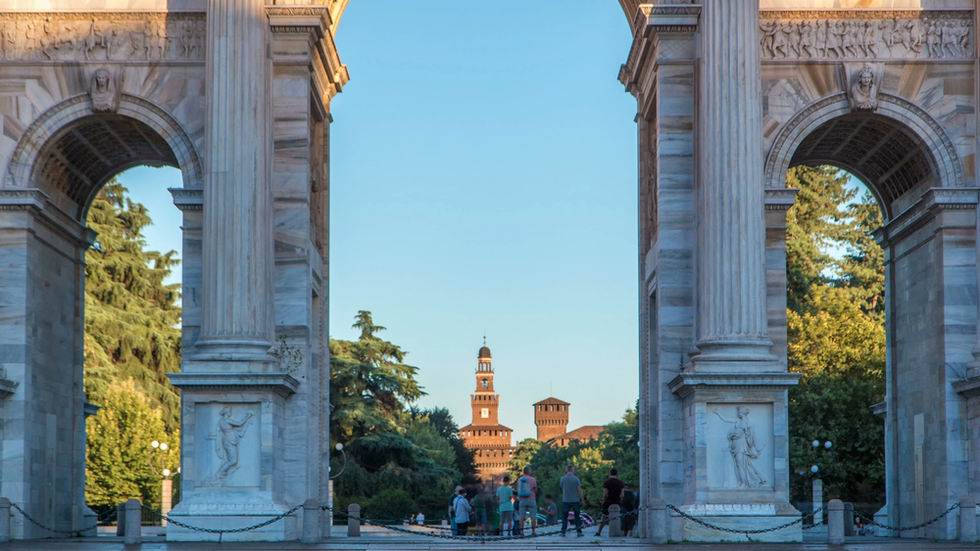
353 520
968 519
660 519
132 534
5 535
835 522
311 521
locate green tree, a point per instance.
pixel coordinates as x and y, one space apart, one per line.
835 324
132 318
121 463
370 384
411 456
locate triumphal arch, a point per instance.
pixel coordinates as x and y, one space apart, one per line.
730 94
236 94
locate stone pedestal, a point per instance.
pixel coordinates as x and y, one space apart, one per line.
233 471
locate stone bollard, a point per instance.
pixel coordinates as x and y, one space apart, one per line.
835 522
968 519
353 520
120 519
660 532
848 519
132 531
311 521
4 520
615 521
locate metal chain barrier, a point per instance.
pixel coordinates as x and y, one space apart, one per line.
72 533
222 531
901 529
747 533
481 539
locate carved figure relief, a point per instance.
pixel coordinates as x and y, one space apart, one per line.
229 434
837 35
102 36
743 449
103 91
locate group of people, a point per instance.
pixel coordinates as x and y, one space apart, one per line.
517 505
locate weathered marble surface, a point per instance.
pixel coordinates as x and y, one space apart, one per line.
930 237
283 453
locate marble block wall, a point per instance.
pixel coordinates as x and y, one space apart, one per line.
930 235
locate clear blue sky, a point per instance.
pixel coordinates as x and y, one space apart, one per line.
484 180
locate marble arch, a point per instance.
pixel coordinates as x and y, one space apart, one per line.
730 94
237 95
155 137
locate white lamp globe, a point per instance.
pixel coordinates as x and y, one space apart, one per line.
827 444
815 443
164 446
166 472
155 444
339 446
814 469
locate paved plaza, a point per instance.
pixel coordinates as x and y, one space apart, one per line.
382 543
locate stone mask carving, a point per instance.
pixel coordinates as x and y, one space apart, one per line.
864 90
103 91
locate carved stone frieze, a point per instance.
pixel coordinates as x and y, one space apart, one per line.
126 36
837 35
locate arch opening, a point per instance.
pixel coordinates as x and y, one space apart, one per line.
74 163
890 159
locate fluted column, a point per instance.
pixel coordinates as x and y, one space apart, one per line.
237 260
731 282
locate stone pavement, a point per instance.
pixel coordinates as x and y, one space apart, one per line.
381 543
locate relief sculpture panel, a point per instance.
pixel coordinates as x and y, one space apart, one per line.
866 35
740 448
103 37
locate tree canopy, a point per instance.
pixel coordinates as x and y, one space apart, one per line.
401 459
835 273
132 340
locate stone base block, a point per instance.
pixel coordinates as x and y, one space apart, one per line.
752 516
229 517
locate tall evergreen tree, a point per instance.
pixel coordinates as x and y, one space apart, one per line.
836 334
132 318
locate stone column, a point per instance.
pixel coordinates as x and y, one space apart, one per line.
236 321
731 281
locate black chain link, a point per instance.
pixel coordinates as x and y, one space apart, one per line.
222 531
73 533
901 529
747 533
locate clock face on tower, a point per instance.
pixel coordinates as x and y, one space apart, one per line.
485 413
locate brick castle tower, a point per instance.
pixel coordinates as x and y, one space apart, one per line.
489 440
551 418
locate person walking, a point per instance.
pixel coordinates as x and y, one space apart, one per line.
527 493
612 494
505 506
452 508
420 519
463 511
571 499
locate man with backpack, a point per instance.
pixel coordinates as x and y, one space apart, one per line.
527 494
463 510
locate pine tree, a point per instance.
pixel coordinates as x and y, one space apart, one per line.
132 318
835 322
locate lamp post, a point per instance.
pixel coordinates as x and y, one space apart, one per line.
166 484
817 482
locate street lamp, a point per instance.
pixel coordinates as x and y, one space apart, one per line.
166 485
817 482
340 448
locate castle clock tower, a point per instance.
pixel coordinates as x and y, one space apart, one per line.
489 440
